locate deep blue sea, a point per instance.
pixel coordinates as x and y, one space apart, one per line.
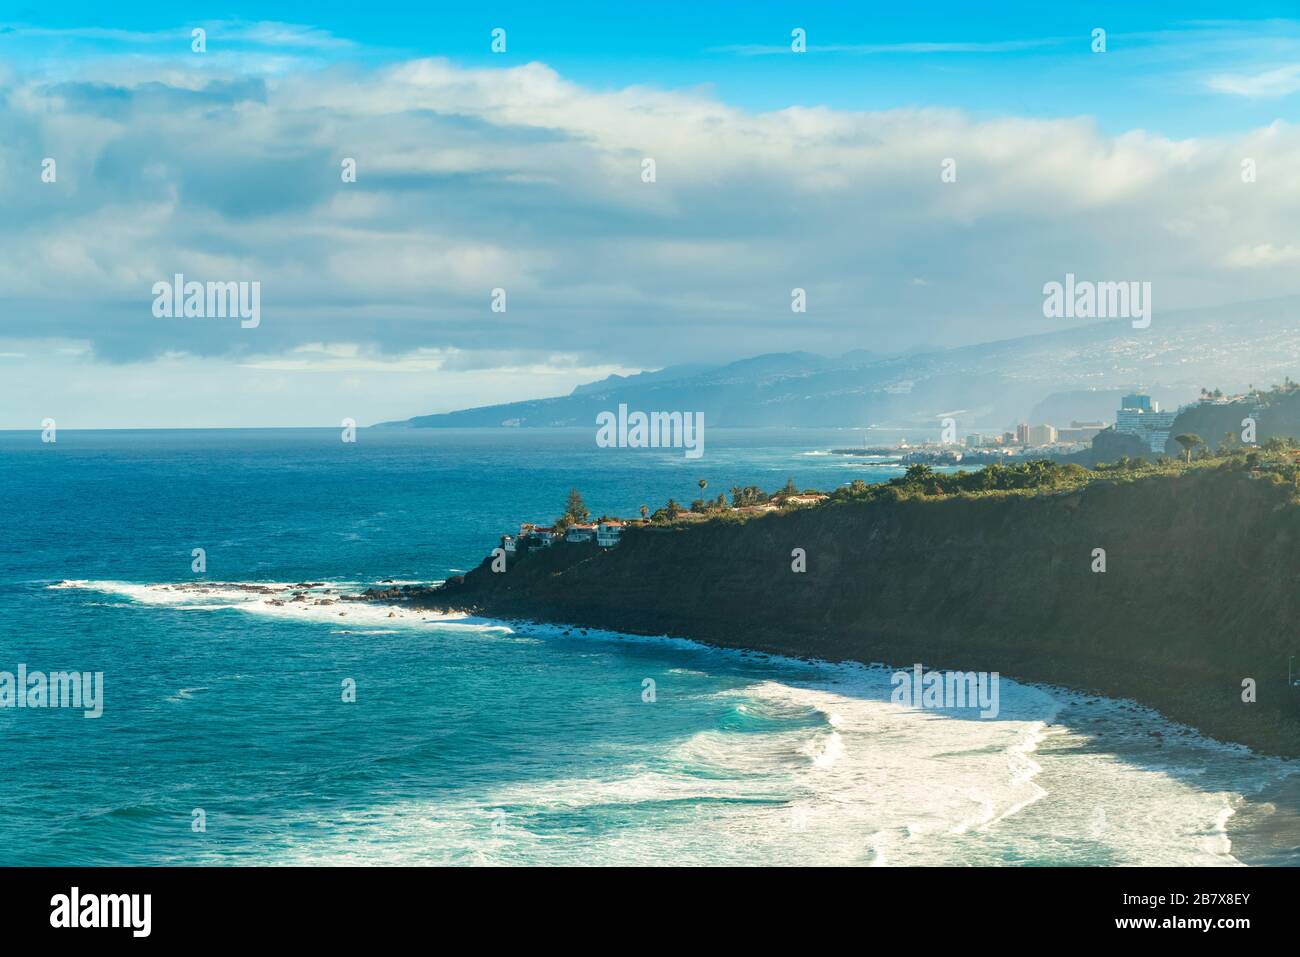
226 737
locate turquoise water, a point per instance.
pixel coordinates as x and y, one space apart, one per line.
487 742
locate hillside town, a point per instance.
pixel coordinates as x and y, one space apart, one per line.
1139 416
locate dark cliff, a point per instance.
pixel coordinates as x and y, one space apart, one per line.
1199 590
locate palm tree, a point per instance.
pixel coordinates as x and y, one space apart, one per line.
645 511
703 484
1189 441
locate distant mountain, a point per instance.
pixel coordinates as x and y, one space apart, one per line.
670 374
1073 373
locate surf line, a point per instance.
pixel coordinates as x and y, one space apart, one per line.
947 689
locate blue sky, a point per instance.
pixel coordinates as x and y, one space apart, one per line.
523 171
1013 58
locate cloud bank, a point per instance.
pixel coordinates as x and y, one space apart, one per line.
474 179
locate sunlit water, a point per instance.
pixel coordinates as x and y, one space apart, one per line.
474 741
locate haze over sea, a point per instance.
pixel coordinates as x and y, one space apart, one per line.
473 741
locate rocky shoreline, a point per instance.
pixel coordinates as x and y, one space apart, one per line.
1196 601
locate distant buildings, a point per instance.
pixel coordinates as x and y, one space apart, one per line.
1041 435
1139 415
1035 435
1080 432
605 534
1026 436
537 534
583 532
806 499
609 533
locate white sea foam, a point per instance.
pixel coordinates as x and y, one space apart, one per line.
321 603
833 771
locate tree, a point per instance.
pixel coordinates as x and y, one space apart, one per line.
749 495
1189 441
672 508
575 513
703 484
645 511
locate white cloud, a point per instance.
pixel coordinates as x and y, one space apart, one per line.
1282 81
916 47
1264 254
470 179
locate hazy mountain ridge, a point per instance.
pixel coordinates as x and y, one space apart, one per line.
989 385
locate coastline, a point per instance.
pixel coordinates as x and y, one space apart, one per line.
792 654
1269 743
969 583
1057 726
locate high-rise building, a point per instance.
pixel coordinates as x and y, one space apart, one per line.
1022 433
1140 416
1041 435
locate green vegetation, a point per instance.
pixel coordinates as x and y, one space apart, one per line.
575 511
749 495
1275 411
1277 457
988 570
1189 443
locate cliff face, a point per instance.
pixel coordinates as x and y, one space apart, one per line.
1276 414
1199 590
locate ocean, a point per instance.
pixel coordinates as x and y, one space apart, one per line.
237 729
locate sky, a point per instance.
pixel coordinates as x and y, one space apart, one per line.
526 171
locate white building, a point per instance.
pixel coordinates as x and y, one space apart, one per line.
806 499
1041 435
585 532
608 534
1141 416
